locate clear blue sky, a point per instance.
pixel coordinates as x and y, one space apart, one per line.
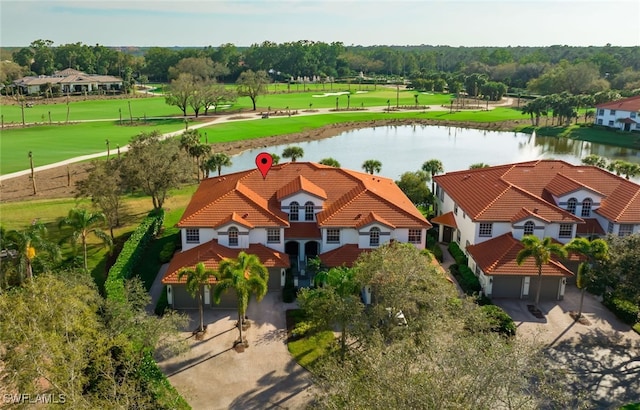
353 22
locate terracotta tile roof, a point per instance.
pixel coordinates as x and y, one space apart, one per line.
525 213
234 217
345 255
348 194
211 253
625 104
300 184
302 230
445 219
590 227
623 204
626 121
371 218
499 193
497 256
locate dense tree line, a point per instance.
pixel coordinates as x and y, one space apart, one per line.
542 70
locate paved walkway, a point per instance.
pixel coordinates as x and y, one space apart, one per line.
447 261
156 289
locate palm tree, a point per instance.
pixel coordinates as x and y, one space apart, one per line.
594 251
541 252
28 243
478 165
293 152
275 158
433 167
246 275
217 161
83 223
372 165
595 160
197 279
332 162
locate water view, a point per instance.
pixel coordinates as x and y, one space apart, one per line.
405 148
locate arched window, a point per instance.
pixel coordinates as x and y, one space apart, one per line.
586 207
293 211
308 211
571 205
528 228
233 236
374 237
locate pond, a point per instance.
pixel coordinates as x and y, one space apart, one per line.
404 148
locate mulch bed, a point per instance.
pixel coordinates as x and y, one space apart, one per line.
535 311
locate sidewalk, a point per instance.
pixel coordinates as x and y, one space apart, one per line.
447 261
156 289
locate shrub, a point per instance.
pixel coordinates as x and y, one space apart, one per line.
167 252
289 290
131 252
301 329
483 300
499 320
436 250
469 282
163 303
625 310
458 255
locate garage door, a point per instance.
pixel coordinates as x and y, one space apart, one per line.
506 287
182 299
274 279
228 300
549 290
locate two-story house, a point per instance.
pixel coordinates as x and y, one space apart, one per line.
487 211
620 114
300 210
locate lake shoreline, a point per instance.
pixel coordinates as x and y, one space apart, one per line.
60 182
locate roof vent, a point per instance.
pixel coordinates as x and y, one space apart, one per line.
358 216
535 210
245 216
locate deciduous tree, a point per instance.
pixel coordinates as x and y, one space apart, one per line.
154 166
253 84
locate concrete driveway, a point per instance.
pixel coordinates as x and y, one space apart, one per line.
211 375
602 358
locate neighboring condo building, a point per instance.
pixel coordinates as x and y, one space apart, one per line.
299 211
620 114
488 210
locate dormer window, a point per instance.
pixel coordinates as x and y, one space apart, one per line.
233 236
586 208
309 213
529 227
571 206
374 237
294 208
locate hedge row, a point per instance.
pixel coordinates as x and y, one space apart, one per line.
466 278
625 310
130 254
458 255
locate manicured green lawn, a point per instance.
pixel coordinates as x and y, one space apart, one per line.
308 349
287 125
598 135
55 143
109 108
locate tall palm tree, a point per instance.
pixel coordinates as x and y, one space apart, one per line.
433 167
293 152
83 222
275 158
197 279
246 275
372 165
217 161
541 252
332 162
594 251
28 243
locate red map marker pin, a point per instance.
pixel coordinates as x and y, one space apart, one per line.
264 161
